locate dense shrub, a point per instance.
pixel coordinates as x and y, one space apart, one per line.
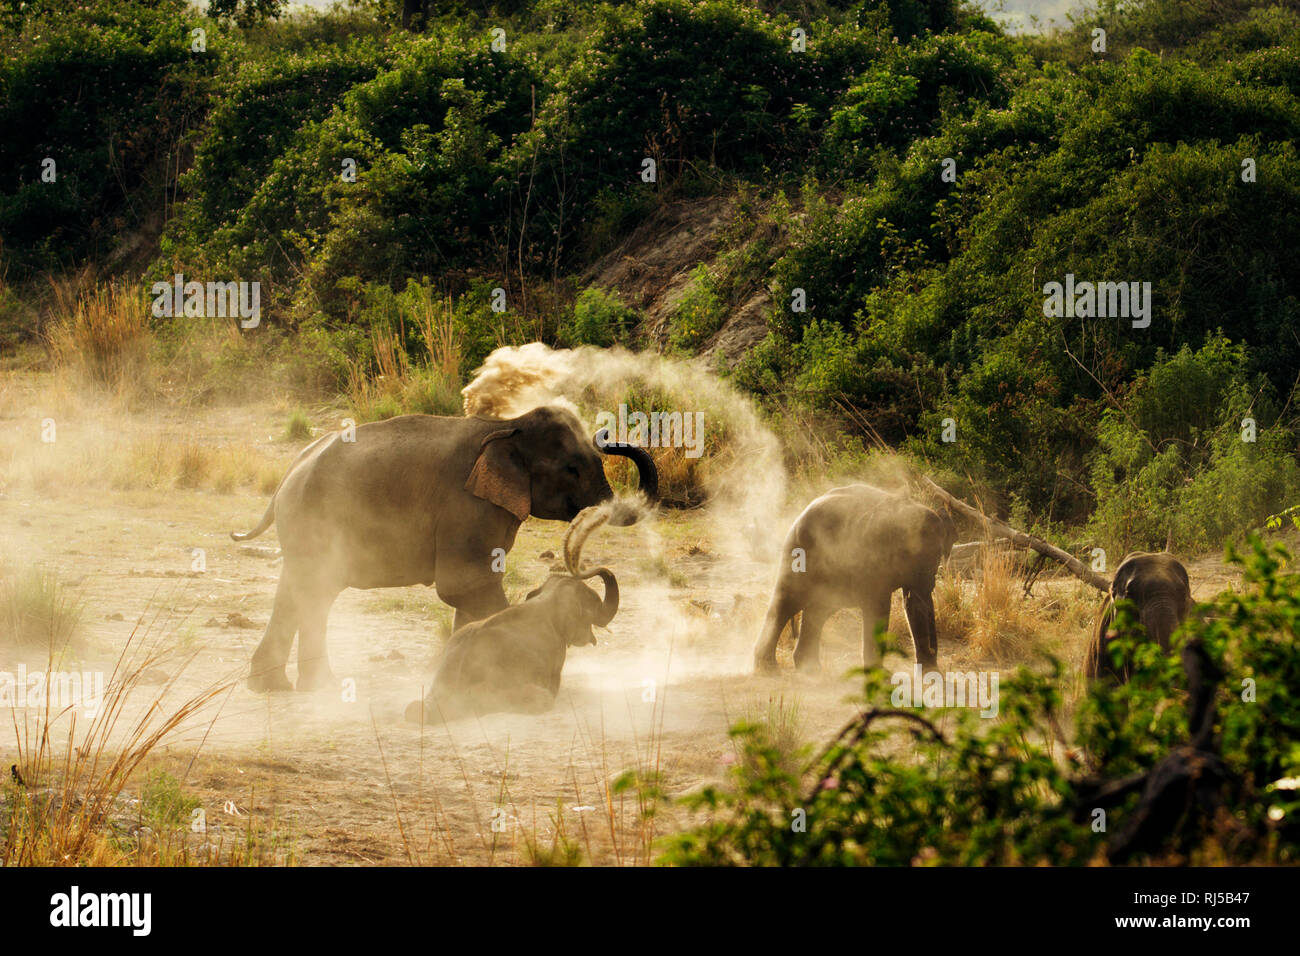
254 122
107 96
599 318
1194 457
1123 173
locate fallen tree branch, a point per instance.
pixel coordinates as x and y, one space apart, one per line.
1022 540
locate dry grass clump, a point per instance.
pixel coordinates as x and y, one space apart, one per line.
64 802
993 617
394 384
36 609
103 334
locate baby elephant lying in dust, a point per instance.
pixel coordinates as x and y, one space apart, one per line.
512 660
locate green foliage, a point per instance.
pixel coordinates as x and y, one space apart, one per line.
253 123
163 804
107 96
245 12
1180 461
599 318
902 98
1124 172
1251 637
984 797
700 312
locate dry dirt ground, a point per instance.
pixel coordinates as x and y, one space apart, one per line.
337 776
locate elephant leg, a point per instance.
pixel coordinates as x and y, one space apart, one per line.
473 606
807 648
875 610
779 613
313 656
266 673
920 621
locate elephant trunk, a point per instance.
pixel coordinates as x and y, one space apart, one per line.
580 528
609 606
587 521
1160 616
645 466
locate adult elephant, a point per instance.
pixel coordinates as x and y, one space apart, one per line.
1158 585
853 547
421 499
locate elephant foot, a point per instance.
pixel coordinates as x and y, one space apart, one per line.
316 678
765 665
268 679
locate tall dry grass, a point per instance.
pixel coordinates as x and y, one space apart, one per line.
392 383
993 618
64 804
103 333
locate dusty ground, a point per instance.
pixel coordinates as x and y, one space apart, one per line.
340 778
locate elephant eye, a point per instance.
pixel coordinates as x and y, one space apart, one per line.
571 470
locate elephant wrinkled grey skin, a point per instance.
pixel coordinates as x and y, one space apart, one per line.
1158 584
421 499
859 544
512 661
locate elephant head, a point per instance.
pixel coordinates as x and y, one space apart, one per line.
1158 586
580 608
542 464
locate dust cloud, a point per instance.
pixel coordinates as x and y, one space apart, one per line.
741 475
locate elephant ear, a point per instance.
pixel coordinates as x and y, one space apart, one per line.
1121 585
499 477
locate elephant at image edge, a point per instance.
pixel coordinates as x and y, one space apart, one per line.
1158 584
420 499
859 545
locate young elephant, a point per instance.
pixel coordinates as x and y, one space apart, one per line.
1158 585
512 660
853 547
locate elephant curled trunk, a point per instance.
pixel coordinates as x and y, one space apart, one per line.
647 474
587 521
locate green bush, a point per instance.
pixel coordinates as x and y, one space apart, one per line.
599 318
901 99
1174 463
700 312
107 95
252 124
426 135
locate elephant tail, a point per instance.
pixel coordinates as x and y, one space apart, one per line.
267 520
269 517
